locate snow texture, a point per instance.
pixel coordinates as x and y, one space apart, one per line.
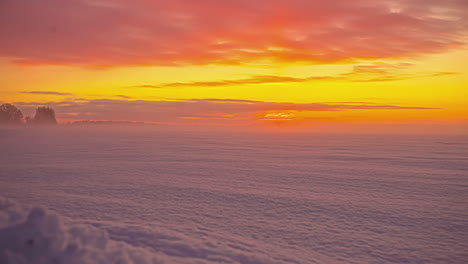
41 237
143 196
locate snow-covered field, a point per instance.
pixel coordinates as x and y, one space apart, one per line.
139 195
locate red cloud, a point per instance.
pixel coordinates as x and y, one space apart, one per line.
157 32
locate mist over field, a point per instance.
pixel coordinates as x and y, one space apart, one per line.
142 195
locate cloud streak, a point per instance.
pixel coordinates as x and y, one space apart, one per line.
377 72
45 93
178 111
186 32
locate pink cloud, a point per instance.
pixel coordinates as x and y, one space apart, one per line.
157 32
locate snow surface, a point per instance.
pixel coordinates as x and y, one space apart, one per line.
142 196
37 236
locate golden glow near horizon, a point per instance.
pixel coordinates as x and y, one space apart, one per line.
243 78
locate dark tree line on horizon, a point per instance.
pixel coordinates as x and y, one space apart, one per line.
11 115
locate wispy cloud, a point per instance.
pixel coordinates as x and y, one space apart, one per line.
187 32
259 79
444 74
376 72
46 93
123 96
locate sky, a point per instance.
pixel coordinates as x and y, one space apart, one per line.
270 64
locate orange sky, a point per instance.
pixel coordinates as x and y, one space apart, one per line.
280 63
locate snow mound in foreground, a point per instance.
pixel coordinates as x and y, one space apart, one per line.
39 236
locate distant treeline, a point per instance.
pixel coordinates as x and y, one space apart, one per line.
11 115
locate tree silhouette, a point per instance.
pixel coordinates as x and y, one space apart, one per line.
9 114
44 115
